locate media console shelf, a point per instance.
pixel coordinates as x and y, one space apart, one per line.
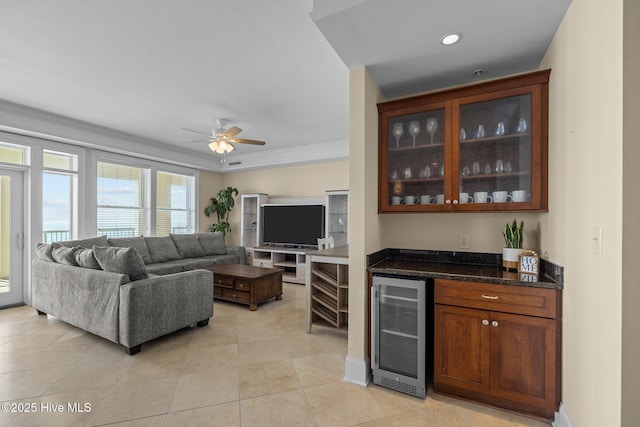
292 262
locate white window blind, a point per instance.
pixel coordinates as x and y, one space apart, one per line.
122 201
174 204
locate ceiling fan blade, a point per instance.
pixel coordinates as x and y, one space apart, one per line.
196 131
249 141
197 140
231 132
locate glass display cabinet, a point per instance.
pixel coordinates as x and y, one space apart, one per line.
480 147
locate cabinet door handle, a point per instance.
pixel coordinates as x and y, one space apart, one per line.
455 201
489 296
485 322
448 201
494 323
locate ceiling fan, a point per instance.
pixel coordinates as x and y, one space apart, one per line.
221 140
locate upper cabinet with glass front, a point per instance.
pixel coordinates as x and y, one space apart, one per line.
481 147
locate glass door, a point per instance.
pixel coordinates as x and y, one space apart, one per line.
11 237
495 152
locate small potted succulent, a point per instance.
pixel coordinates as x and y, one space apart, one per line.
513 244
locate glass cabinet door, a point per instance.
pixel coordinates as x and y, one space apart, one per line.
417 159
495 152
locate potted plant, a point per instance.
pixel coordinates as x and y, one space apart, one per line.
221 205
513 244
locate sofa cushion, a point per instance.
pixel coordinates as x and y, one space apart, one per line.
86 259
43 251
87 243
212 243
187 245
168 267
162 249
63 254
134 242
121 260
223 259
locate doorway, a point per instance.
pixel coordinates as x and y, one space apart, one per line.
12 238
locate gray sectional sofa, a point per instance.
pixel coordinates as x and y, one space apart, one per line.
130 290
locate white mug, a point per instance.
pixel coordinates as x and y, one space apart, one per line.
501 197
519 196
482 197
440 199
426 199
465 198
410 200
396 200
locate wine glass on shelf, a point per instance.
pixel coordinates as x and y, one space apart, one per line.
398 131
414 130
432 126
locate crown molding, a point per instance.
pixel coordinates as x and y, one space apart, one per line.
304 154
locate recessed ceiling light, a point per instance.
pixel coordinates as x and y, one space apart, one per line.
450 39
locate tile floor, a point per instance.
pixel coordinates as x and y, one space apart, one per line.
244 369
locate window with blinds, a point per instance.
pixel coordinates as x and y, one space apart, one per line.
59 196
122 200
175 206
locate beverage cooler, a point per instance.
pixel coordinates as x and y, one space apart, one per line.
398 332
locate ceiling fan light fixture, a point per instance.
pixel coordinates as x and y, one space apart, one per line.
221 147
450 39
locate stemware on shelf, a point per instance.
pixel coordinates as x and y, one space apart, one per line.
432 126
398 131
414 130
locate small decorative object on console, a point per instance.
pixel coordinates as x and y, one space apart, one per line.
529 263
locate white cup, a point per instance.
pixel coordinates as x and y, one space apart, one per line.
426 199
501 197
482 197
440 199
465 198
396 200
519 196
410 200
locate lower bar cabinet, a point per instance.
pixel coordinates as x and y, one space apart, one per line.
498 344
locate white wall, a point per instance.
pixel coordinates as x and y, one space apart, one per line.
585 176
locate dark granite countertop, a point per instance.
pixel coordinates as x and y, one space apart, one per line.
467 266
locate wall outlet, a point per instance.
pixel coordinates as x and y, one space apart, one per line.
463 242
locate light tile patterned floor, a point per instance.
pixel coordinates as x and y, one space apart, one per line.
244 369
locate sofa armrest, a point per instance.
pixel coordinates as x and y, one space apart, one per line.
156 306
238 251
83 297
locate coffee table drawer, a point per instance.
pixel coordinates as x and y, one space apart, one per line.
217 291
223 281
242 285
236 295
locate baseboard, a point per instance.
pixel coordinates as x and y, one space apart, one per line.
562 419
357 371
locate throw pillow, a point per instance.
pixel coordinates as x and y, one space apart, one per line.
43 251
134 242
64 255
187 245
162 249
212 243
86 259
121 260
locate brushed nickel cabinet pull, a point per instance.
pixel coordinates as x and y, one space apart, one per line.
489 297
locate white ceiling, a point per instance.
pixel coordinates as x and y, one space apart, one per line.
150 67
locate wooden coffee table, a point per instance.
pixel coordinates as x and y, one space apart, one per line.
246 284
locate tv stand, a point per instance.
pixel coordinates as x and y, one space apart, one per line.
292 261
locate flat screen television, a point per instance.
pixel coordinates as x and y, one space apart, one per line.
292 225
